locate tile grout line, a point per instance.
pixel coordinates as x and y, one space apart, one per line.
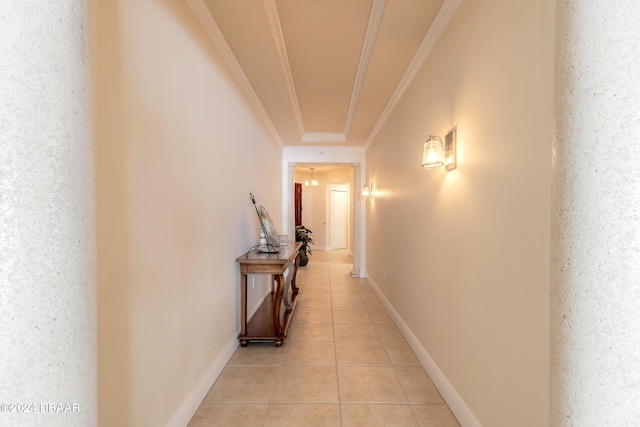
335 350
324 272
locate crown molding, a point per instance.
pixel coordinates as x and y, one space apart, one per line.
324 137
365 55
440 22
271 10
210 26
323 154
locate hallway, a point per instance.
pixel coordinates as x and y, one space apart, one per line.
343 364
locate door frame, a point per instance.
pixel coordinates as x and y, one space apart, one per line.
358 202
297 204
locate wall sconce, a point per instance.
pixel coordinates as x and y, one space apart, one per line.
368 191
436 154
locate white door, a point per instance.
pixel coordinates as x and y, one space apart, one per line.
339 218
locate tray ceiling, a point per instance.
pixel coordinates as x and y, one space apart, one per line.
324 72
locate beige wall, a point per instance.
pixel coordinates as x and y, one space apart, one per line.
178 150
466 253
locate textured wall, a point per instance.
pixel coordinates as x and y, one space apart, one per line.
596 216
47 249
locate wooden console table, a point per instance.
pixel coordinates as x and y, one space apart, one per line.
272 320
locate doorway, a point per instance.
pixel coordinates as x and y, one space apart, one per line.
315 203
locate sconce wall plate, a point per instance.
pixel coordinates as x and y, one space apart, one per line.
450 154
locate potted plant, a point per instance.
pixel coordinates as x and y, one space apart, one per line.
303 234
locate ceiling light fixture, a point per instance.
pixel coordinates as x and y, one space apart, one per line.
313 182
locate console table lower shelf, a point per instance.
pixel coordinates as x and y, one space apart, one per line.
272 320
260 327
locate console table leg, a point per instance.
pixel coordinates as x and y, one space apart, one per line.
285 296
243 307
296 263
277 301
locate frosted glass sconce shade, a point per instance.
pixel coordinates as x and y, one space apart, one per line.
436 154
433 153
365 191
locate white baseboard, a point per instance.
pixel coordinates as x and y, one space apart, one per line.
461 411
192 402
449 394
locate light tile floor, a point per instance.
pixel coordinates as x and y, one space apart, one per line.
344 363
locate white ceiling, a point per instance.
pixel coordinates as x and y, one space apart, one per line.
324 72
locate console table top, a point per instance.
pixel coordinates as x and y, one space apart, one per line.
286 254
